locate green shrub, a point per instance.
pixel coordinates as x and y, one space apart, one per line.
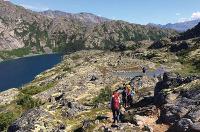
32 90
104 96
66 68
150 56
15 52
75 57
27 102
5 120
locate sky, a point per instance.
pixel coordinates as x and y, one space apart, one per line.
134 11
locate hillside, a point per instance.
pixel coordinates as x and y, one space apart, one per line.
102 56
86 18
192 33
74 95
54 31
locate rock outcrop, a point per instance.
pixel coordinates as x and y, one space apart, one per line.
178 100
36 119
8 96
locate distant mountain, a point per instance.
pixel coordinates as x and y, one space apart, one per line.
56 31
189 34
87 18
181 27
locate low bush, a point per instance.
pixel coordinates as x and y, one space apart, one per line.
27 102
32 90
6 119
104 96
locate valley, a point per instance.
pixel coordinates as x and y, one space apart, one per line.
100 56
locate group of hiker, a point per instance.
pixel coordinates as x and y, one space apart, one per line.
123 97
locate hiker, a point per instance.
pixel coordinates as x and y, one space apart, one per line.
115 106
139 83
124 97
129 95
134 85
144 69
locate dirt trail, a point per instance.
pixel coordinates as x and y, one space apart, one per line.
148 120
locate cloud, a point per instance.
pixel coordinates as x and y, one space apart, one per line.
178 14
35 8
196 15
184 19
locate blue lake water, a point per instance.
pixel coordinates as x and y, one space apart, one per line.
131 74
17 72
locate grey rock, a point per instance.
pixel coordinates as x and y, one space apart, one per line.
27 122
195 127
194 114
183 125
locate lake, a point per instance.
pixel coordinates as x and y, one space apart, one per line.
17 72
131 74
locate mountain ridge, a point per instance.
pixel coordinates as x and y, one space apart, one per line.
22 28
180 26
87 18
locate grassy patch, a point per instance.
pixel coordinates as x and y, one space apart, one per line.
6 119
67 68
75 57
32 90
16 52
77 121
14 110
27 102
104 96
150 55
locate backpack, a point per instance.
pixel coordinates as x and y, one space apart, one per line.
115 102
124 94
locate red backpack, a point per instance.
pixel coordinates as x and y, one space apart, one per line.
115 101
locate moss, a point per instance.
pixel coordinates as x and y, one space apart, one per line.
77 121
32 89
75 57
188 69
6 55
150 55
104 96
27 102
67 68
6 119
14 110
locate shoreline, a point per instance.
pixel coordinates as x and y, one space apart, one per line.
27 56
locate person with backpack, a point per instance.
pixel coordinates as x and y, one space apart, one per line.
129 96
144 69
124 97
115 106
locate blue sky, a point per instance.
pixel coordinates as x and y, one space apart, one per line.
134 11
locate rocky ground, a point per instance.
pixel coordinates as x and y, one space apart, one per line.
74 94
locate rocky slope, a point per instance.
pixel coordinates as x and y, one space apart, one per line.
71 92
178 100
58 32
192 33
74 95
86 18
